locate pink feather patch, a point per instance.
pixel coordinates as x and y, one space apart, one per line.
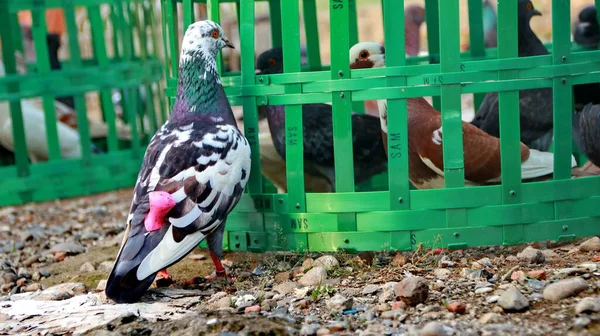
161 203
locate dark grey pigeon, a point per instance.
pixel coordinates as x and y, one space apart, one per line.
369 155
587 34
193 174
587 30
586 132
535 104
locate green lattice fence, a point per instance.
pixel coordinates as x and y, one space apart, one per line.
112 46
400 217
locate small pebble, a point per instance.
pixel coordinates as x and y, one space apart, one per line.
457 307
252 309
307 263
392 314
590 245
433 329
483 290
87 267
532 255
489 318
588 305
337 326
581 322
59 256
323 331
282 277
33 287
512 300
412 290
328 262
309 329
316 275
101 285
564 288
537 274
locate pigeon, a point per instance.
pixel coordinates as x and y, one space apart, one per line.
587 31
490 25
273 166
425 139
586 132
587 35
194 172
535 104
53 43
369 156
414 16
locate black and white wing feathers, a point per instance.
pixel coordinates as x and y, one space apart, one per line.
205 169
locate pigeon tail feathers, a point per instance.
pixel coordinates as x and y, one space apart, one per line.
577 128
540 164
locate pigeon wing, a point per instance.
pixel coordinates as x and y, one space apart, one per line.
205 170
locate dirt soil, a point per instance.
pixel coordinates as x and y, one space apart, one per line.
286 293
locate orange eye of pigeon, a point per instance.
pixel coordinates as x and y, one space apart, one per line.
364 55
215 33
529 6
272 62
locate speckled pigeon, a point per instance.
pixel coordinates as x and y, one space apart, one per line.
193 174
369 155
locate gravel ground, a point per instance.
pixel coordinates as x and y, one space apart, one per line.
55 255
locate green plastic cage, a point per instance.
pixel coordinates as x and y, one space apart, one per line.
112 47
399 217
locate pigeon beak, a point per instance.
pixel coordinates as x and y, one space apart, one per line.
536 12
228 44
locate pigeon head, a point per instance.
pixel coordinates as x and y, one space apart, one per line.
529 43
367 55
414 13
203 39
588 14
587 30
199 89
270 61
527 11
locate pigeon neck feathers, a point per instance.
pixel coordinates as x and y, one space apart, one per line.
490 21
529 43
200 94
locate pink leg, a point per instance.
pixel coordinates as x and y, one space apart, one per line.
219 269
164 279
164 274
